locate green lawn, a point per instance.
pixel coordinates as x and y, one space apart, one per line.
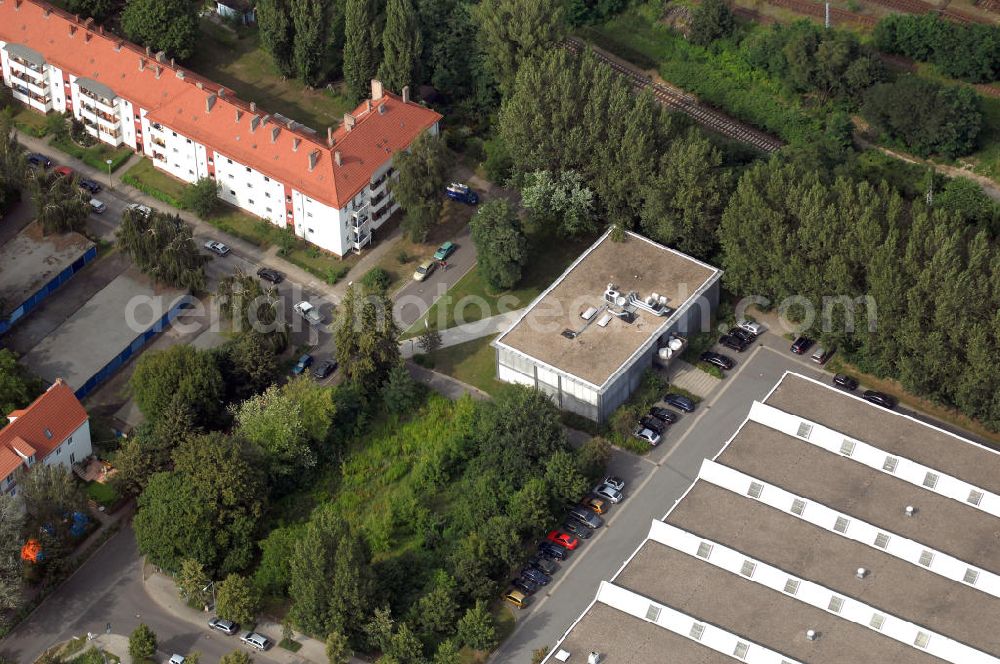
96 155
152 181
103 494
987 158
29 121
473 362
472 299
95 656
235 60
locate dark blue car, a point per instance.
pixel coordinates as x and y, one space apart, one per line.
302 364
461 193
680 401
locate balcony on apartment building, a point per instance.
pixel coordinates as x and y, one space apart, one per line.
33 85
26 61
98 96
25 96
360 240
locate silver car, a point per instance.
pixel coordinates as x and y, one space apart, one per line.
255 640
223 625
608 492
217 247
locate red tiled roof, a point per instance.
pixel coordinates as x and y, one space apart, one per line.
179 98
57 412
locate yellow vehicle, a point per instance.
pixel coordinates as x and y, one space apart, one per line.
595 504
516 597
424 270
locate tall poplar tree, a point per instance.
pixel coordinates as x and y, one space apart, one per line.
361 47
400 46
277 34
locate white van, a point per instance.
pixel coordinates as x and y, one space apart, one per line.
97 206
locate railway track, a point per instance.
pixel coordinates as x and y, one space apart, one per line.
678 100
837 16
992 6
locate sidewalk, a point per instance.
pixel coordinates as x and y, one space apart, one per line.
162 590
468 332
203 228
444 384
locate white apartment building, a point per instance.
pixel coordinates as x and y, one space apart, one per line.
54 429
331 191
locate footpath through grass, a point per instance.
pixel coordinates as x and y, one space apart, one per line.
472 362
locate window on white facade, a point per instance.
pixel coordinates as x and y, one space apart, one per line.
311 230
229 161
232 193
309 214
268 209
174 133
230 176
267 179
249 185
190 172
189 141
250 201
267 194
248 169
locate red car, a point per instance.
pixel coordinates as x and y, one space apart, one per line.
565 540
64 171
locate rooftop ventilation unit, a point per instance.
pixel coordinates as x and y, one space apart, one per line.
594 657
910 510
811 634
861 573
589 313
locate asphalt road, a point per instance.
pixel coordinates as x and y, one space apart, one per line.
413 299
108 588
655 483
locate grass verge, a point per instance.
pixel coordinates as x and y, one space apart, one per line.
102 494
290 645
472 362
26 120
153 182
95 156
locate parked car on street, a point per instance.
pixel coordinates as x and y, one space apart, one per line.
267 274
217 247
424 270
653 423
324 369
223 625
648 435
679 401
64 171
461 193
255 640
546 565
445 250
743 334
718 360
97 206
37 159
552 551
609 493
665 415
526 586
734 342
801 345
585 516
879 399
136 208
595 504
846 382
822 354
88 185
307 311
176 659
302 364
577 529
516 598
617 482
565 540
536 575
756 329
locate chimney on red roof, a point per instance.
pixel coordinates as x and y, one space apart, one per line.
337 158
161 56
100 29
313 158
349 121
253 107
87 36
329 136
72 30
149 52
368 105
118 46
274 133
406 94
199 85
17 5
88 22
377 90
142 63
47 12
209 103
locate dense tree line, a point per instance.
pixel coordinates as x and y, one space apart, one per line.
304 37
968 52
163 25
930 276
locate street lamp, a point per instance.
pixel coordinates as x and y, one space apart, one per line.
211 584
111 184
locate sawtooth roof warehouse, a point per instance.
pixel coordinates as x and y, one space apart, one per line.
826 530
331 191
587 340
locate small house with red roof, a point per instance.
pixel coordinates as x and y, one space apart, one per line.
54 429
329 188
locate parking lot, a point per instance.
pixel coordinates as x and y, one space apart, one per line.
653 483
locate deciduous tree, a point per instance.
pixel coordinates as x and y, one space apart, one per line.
163 247
163 25
179 377
237 599
236 657
400 392
477 628
711 20
367 339
16 390
142 643
501 245
11 530
192 580
514 31
202 197
422 170
338 649
561 200
59 207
